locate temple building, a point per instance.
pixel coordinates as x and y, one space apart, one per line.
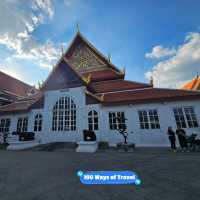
12 89
86 91
194 84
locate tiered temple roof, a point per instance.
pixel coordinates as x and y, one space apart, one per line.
14 86
12 89
83 65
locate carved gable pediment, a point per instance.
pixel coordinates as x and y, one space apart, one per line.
83 59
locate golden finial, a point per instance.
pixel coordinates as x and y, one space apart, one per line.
77 27
88 78
151 80
109 57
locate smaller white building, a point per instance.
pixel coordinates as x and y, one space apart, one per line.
86 91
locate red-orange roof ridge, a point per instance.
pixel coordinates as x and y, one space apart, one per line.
194 84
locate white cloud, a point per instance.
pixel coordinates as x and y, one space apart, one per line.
12 72
160 52
16 35
44 5
181 67
43 55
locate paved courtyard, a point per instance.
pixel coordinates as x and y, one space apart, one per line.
51 175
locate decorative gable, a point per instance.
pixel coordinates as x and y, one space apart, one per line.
84 59
78 65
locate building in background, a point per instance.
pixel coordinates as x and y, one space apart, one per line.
12 89
194 84
86 91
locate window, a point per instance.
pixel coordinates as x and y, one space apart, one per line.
191 117
185 114
64 115
38 122
22 124
4 125
93 120
149 119
117 120
144 121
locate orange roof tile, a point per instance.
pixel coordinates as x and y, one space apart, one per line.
102 75
194 84
14 86
34 101
147 95
116 85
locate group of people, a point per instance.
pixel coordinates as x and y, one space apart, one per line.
182 138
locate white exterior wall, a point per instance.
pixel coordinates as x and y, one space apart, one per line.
141 137
14 119
51 97
147 137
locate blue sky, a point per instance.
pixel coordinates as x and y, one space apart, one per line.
150 38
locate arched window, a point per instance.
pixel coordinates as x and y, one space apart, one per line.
38 122
93 120
22 124
64 115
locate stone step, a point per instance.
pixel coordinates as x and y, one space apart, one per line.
20 145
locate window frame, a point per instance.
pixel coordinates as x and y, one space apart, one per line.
5 125
64 116
113 123
92 125
189 120
149 122
38 122
22 124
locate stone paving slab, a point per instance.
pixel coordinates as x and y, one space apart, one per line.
51 175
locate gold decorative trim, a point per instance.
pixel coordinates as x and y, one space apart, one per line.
89 93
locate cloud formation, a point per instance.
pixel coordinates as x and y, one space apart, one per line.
160 52
179 68
16 35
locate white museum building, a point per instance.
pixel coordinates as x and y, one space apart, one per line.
86 91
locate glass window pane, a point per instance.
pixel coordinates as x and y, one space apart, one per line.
191 117
64 115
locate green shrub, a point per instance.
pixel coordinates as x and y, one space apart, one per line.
3 146
103 145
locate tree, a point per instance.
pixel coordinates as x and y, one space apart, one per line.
122 128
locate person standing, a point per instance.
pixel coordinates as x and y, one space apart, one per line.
172 138
182 138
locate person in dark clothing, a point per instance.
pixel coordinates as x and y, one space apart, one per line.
172 138
182 137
